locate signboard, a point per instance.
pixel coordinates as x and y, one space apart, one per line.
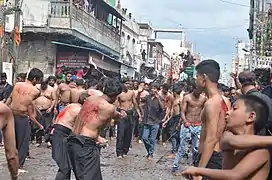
7 68
72 59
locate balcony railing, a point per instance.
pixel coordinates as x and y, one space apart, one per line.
65 14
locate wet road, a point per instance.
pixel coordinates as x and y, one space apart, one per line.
133 167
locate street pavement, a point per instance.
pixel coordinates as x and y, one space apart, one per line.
133 167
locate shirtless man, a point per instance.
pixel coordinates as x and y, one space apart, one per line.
212 116
126 102
62 129
140 99
52 82
7 127
64 93
166 99
225 98
135 115
173 121
95 114
248 117
46 104
75 92
191 108
24 109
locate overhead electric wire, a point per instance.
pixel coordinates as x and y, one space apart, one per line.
229 2
215 29
205 29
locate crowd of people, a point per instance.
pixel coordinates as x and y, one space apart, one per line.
225 130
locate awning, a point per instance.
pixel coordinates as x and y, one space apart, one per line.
89 49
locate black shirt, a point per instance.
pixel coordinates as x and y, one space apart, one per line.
268 91
152 111
252 91
5 91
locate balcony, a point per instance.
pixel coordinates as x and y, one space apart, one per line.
66 15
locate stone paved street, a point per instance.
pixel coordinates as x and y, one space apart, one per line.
133 167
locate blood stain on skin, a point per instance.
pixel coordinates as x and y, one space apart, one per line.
89 111
62 114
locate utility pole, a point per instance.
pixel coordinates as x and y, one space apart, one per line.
17 13
2 33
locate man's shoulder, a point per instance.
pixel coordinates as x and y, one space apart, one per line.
187 96
214 101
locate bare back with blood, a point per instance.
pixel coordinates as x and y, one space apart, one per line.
68 115
220 118
95 114
22 96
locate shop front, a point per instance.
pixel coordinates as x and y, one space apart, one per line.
77 57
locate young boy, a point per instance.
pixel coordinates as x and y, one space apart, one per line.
248 116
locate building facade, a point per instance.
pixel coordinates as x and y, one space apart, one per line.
241 59
70 33
260 33
130 55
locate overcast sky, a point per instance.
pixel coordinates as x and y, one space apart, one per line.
212 25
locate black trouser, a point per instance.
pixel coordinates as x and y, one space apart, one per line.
136 131
85 158
162 131
104 131
124 134
141 130
60 151
1 137
45 119
22 135
173 132
215 161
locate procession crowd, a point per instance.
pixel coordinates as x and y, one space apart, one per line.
224 131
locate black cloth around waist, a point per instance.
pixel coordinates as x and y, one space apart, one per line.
215 161
83 140
21 117
62 129
129 112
